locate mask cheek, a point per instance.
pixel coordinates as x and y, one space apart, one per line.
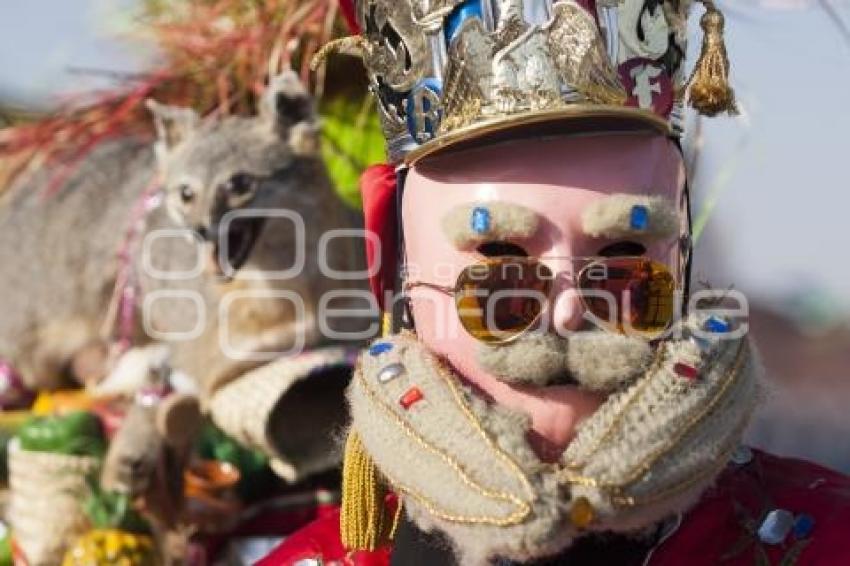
438 327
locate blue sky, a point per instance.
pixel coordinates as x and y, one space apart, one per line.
40 40
782 221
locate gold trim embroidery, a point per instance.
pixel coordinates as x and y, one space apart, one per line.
567 476
636 392
723 461
524 507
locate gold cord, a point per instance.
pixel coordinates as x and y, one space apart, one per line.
354 45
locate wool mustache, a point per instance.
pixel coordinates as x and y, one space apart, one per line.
597 361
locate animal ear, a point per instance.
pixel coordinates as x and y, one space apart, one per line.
289 110
178 419
173 125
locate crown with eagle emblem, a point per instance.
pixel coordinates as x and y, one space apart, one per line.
449 71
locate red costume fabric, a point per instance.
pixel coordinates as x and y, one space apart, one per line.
320 539
378 188
347 7
722 529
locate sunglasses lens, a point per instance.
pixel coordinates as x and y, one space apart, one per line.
630 294
498 300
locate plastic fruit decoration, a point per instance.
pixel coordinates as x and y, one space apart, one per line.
119 535
111 546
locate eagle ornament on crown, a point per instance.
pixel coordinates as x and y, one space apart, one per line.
530 143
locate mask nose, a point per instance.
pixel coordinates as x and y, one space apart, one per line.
567 309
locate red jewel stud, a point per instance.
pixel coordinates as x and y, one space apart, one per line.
688 372
413 396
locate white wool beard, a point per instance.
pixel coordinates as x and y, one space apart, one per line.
595 360
648 453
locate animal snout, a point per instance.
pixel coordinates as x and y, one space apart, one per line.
203 232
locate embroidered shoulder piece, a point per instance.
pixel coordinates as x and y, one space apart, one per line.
402 404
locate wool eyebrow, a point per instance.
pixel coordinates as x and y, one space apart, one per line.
631 216
468 226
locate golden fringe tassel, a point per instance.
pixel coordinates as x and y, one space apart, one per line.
710 91
364 524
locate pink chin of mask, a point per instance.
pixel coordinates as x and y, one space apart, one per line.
557 178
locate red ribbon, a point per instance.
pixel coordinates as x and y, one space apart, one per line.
378 188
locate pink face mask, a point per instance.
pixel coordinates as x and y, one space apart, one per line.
556 199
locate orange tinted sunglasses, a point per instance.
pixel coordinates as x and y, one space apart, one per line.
500 299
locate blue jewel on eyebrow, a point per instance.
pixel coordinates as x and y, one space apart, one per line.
640 218
480 220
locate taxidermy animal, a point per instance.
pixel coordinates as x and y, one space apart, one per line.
59 260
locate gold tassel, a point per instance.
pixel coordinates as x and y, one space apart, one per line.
710 91
364 524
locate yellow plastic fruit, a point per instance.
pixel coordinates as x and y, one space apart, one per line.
60 402
102 547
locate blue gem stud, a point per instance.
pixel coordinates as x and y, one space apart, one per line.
640 218
717 325
481 220
803 526
380 348
391 372
776 526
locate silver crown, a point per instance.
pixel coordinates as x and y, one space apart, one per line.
446 70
